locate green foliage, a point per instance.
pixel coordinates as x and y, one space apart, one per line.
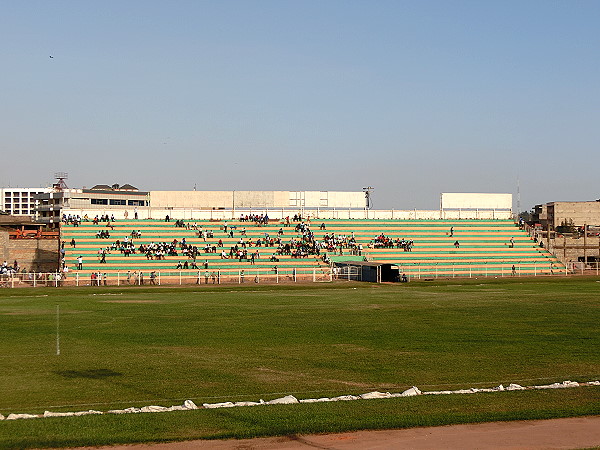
136 347
566 226
527 216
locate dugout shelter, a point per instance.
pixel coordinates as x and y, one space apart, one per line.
370 271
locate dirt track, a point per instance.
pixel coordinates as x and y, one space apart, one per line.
572 433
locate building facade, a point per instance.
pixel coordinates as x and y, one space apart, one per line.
20 201
101 199
128 201
554 214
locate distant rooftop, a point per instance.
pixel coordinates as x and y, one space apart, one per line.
114 187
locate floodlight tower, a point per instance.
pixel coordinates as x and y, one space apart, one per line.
60 185
367 191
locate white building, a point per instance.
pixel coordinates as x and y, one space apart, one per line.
128 201
20 201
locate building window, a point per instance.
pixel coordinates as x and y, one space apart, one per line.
136 202
99 201
118 202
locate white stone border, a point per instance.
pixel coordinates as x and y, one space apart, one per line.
189 405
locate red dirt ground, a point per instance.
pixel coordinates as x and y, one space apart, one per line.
572 433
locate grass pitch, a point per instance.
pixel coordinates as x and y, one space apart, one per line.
141 346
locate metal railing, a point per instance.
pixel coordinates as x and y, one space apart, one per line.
496 270
287 275
187 277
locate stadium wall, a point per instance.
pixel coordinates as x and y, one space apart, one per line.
573 249
218 205
255 199
32 254
279 213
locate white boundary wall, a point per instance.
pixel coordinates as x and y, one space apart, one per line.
279 213
256 199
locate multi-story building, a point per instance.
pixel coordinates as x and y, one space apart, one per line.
20 201
554 214
101 199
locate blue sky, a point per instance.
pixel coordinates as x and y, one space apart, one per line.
413 98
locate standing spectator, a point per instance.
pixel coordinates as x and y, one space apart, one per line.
80 263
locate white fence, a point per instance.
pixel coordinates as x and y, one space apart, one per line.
496 270
182 277
288 275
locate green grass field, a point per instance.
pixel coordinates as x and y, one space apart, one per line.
160 346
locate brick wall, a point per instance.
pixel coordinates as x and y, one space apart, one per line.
32 254
569 249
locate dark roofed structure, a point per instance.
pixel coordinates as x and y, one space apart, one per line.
114 187
101 187
372 271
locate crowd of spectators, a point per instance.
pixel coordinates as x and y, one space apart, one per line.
258 219
301 243
75 219
9 269
102 234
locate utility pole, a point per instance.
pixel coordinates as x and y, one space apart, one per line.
518 198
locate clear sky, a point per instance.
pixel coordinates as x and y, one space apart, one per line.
413 98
